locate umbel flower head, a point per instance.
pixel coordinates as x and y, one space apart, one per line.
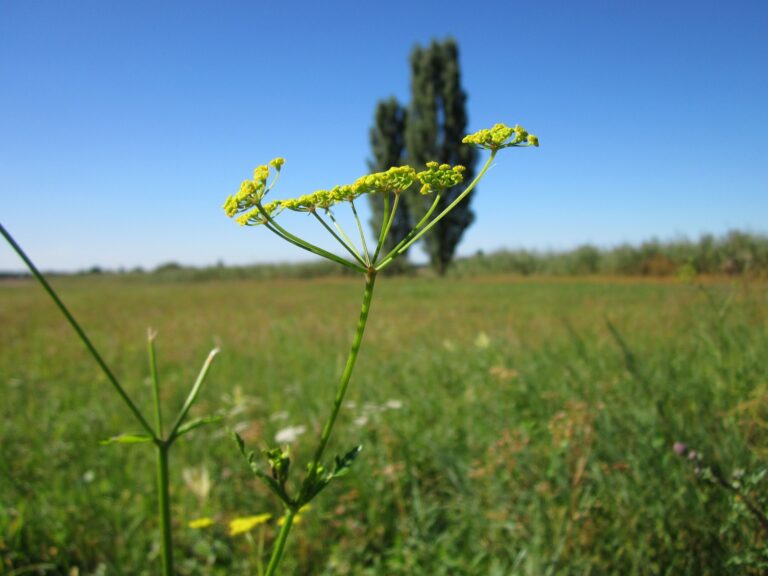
501 136
438 177
396 179
252 191
247 202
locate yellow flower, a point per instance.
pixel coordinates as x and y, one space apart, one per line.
277 163
201 523
501 136
438 177
247 523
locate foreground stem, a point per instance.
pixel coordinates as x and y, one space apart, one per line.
81 334
370 280
164 507
277 552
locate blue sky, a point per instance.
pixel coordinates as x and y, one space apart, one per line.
124 125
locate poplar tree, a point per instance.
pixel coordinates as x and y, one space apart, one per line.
431 129
436 124
388 147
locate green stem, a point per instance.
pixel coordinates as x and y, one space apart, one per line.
260 551
164 506
362 234
348 246
394 252
155 382
83 338
277 553
451 206
386 223
384 218
275 228
347 238
192 395
370 280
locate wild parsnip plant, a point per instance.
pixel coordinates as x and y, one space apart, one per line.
249 208
157 435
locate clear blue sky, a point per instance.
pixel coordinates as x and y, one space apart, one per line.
123 125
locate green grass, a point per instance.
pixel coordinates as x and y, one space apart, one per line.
528 441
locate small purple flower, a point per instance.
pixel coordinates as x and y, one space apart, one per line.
680 448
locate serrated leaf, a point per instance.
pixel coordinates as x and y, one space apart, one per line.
127 439
196 423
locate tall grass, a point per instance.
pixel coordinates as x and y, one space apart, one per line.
509 427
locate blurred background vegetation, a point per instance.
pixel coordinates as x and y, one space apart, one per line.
510 425
732 255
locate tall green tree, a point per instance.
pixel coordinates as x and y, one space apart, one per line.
388 148
436 124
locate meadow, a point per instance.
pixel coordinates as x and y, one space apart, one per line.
509 426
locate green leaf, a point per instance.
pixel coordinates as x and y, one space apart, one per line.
247 454
196 423
272 483
127 439
344 463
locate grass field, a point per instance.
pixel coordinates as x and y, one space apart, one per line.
509 427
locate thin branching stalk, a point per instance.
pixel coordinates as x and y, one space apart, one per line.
283 233
81 334
442 214
162 445
346 244
345 236
388 219
382 235
395 251
151 335
362 234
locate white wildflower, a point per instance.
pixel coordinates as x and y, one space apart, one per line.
289 434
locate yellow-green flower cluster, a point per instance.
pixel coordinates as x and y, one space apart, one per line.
501 136
247 202
251 191
254 216
321 199
438 177
396 179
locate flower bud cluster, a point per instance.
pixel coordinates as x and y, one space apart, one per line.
255 217
396 179
501 136
251 191
321 199
438 177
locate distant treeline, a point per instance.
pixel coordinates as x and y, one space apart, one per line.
174 272
735 253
